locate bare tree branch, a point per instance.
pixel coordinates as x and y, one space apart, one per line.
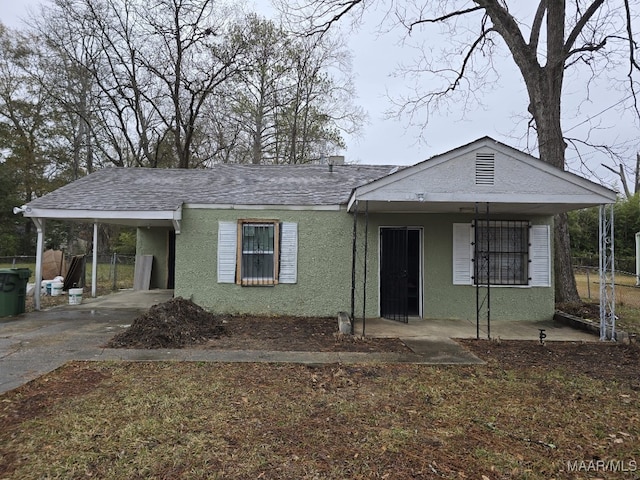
534 37
580 24
442 18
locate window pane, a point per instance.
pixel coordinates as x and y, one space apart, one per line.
257 238
502 252
258 252
257 266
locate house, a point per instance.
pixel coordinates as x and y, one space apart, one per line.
423 240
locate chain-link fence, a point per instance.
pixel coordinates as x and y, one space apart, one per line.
626 285
115 271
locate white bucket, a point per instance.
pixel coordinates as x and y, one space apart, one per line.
56 289
75 296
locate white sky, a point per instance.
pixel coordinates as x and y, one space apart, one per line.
389 141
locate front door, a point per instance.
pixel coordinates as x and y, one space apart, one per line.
399 273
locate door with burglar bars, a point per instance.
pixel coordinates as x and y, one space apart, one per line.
399 273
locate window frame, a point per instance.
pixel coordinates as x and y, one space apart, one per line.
497 250
240 280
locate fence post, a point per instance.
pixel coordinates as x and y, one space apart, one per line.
115 270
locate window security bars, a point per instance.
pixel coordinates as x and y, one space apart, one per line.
501 252
259 253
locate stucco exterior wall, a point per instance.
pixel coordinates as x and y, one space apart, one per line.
154 241
324 268
443 299
324 264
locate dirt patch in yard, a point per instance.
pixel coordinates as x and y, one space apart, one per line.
180 323
598 360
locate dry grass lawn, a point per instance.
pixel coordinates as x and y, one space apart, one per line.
538 415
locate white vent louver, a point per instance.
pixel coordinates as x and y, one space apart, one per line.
485 168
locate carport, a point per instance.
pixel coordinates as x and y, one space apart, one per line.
77 203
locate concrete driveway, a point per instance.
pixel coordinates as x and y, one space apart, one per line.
36 343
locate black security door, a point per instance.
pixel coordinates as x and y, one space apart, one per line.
394 273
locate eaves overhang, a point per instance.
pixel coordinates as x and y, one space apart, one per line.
135 218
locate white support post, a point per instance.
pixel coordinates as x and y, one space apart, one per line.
94 266
607 276
39 223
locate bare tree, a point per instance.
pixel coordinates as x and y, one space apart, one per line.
152 68
191 58
553 38
293 98
26 116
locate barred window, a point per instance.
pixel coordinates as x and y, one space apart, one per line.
258 242
501 252
267 256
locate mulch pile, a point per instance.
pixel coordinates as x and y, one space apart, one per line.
173 324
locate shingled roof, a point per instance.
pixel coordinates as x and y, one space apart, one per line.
148 189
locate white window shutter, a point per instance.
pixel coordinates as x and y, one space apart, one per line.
540 256
227 244
288 253
462 265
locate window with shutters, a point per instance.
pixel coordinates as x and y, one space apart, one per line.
509 253
257 252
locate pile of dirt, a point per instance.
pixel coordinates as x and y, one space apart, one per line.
173 324
180 323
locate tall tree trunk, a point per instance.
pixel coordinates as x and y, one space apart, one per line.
544 85
551 146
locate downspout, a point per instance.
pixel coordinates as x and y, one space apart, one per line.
40 228
94 266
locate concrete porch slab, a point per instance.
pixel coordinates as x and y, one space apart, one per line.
455 328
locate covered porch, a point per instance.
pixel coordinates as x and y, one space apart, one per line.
495 206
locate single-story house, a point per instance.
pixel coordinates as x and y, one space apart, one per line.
310 240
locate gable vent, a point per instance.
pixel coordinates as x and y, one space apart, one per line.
485 168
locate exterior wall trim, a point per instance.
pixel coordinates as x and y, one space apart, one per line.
229 206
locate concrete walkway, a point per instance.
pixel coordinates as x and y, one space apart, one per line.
36 343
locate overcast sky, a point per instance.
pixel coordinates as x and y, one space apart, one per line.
503 116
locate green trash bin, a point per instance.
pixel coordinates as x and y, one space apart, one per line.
13 290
